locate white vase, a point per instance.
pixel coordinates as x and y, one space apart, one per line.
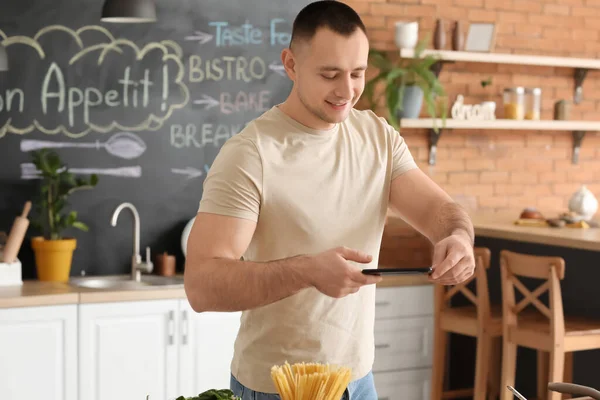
407 34
584 203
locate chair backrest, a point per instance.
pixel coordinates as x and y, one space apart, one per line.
551 269
480 299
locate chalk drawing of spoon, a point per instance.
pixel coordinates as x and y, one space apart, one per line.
29 171
123 144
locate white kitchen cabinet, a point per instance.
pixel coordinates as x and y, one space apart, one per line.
206 349
128 350
403 342
160 348
38 352
412 384
403 301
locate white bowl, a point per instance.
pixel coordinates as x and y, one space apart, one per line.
185 235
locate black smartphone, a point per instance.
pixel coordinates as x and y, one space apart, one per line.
397 271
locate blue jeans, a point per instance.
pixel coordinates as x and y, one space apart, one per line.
360 389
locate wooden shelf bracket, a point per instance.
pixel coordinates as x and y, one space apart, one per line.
577 139
436 67
579 75
433 140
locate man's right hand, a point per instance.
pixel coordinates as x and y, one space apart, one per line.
333 275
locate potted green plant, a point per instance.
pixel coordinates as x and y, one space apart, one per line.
54 251
406 85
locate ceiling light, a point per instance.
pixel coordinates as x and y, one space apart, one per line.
129 11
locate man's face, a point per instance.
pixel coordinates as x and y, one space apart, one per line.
330 73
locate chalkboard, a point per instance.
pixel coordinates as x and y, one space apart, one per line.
146 106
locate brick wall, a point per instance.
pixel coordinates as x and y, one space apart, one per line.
496 170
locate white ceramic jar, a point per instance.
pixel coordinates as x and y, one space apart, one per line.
407 34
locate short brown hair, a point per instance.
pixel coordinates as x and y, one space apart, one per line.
335 15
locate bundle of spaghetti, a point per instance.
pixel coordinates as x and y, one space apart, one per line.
310 381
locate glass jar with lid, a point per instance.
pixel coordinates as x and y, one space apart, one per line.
533 103
514 103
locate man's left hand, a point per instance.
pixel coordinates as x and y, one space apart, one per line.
453 260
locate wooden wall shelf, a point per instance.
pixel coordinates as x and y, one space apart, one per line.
503 58
581 65
577 128
542 125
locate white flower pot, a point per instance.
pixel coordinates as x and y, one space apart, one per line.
407 34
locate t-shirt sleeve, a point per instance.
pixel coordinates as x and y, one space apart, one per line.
402 159
233 185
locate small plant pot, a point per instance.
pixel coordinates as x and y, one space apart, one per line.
411 102
407 34
53 258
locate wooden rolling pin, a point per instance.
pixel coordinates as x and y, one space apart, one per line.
16 235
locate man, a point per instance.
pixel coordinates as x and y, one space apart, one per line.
301 194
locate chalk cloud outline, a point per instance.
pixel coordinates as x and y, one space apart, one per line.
171 51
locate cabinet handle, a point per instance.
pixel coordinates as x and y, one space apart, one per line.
426 333
184 327
382 346
382 303
171 329
383 398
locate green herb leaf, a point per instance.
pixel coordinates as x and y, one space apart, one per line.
395 76
57 184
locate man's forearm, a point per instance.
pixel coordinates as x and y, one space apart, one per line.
452 218
233 285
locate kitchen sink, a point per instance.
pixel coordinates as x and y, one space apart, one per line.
124 282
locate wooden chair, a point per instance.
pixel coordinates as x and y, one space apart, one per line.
545 328
480 321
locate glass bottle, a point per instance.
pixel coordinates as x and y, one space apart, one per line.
533 103
514 104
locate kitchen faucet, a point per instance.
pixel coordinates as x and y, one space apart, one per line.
137 266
